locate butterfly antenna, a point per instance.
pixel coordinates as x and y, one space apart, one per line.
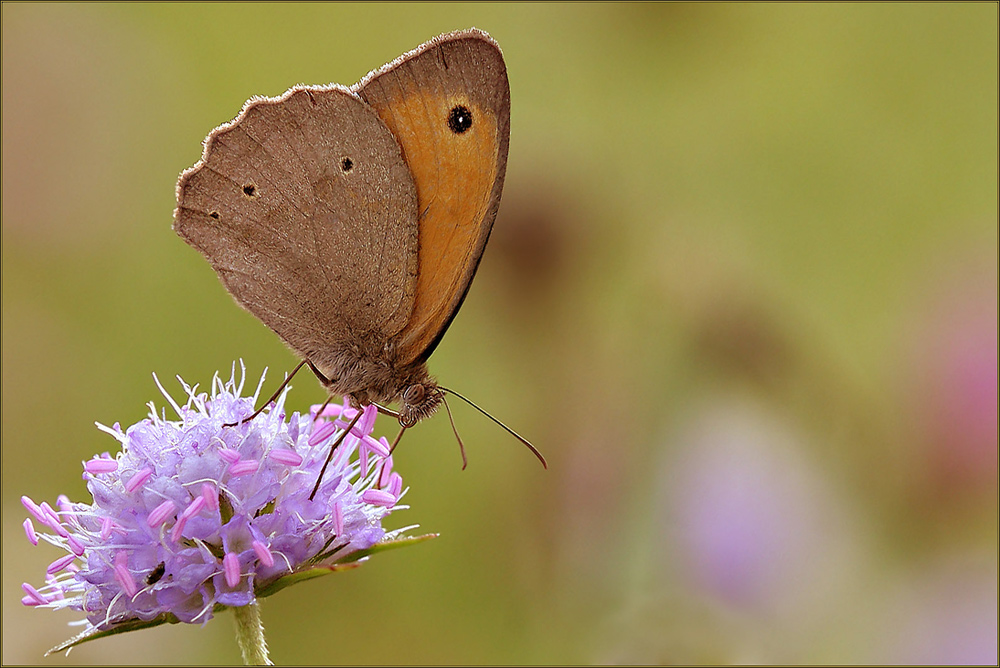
267 403
510 431
461 445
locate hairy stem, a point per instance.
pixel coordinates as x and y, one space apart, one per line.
250 635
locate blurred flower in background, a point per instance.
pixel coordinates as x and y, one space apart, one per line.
951 375
748 518
746 535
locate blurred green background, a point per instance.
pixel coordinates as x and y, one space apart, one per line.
742 292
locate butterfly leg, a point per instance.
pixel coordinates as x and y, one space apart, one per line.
322 408
386 411
395 441
273 397
333 448
326 382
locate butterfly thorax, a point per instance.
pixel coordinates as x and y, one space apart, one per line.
368 371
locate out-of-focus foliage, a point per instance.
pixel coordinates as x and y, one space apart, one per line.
742 292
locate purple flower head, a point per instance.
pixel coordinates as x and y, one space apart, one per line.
193 516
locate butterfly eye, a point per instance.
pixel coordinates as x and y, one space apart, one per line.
414 394
460 119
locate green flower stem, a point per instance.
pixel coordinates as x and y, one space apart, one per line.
250 635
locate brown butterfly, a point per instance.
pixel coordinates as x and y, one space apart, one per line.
351 221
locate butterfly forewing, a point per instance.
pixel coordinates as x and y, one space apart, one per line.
306 210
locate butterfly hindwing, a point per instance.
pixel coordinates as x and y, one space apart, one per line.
448 105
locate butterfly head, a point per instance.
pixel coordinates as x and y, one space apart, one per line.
419 400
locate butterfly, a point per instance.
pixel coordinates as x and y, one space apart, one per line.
351 220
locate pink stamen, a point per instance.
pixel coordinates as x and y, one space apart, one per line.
229 455
34 509
364 426
75 546
123 576
175 533
367 421
34 595
363 458
263 553
244 467
231 569
322 433
194 507
100 465
50 512
211 497
285 456
383 479
160 514
64 503
378 497
107 525
52 519
29 531
375 446
137 480
332 410
60 563
395 484
338 519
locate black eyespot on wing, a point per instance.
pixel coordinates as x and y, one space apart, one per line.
460 119
346 165
214 214
250 190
